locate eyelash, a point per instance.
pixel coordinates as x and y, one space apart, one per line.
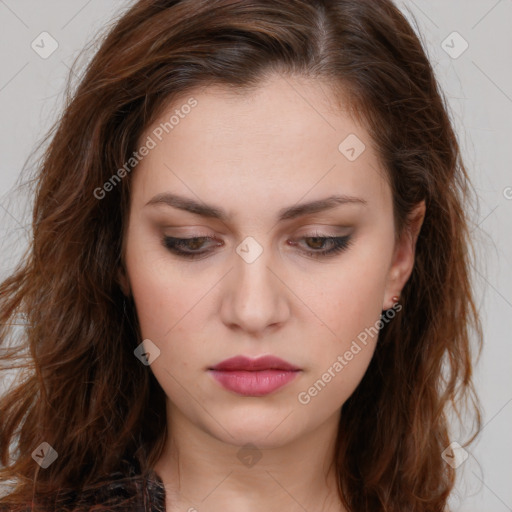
340 244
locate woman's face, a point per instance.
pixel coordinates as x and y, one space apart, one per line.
265 284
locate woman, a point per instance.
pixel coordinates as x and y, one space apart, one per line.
248 286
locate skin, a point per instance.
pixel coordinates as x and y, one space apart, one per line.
254 155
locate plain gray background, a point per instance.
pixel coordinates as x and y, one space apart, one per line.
478 86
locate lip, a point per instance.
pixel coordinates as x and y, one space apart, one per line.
254 377
251 365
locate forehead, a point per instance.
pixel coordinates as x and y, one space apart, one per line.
283 140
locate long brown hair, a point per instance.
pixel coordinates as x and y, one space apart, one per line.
84 392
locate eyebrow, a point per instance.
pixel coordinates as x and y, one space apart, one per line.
215 212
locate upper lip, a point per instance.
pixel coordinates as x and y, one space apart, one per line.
249 364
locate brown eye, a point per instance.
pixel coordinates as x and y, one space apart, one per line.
187 247
315 245
336 244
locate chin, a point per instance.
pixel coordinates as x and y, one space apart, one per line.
263 428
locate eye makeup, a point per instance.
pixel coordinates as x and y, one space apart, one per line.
316 245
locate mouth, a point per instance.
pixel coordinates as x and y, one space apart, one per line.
254 377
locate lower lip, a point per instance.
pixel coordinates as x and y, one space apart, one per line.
253 383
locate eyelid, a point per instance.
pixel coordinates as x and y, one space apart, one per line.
308 230
325 230
339 244
318 230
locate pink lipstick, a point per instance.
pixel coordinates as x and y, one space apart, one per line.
253 377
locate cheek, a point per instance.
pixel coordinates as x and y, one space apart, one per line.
347 297
348 306
173 307
165 297
168 306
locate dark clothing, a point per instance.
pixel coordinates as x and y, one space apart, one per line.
120 492
136 494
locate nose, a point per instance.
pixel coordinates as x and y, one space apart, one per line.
255 298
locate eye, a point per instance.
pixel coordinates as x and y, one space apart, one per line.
177 245
191 247
316 241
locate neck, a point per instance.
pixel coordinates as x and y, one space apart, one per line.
201 472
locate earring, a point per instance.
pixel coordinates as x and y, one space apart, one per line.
395 299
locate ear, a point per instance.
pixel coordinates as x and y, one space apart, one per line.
403 256
122 279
